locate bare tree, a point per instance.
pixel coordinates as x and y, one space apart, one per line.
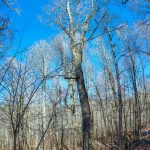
74 20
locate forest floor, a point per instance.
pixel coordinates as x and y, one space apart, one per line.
143 143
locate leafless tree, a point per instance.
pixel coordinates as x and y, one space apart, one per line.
74 18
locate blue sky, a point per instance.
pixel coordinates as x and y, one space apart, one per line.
28 21
35 30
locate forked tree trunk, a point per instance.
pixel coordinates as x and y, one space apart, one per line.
73 29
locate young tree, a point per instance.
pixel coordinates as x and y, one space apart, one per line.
119 91
19 88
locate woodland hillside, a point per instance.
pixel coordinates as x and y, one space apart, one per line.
75 75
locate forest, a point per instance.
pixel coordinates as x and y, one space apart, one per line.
74 75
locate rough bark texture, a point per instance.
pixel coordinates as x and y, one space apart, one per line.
85 107
14 140
77 46
83 96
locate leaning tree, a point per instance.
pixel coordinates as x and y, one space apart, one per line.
75 18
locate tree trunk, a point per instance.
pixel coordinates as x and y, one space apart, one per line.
85 108
15 140
119 93
137 109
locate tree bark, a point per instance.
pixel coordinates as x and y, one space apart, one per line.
119 93
14 140
85 108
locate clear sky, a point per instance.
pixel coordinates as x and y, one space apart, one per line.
28 21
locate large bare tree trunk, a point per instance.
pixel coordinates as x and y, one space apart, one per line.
85 107
14 140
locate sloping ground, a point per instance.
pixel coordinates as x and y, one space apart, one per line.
143 144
